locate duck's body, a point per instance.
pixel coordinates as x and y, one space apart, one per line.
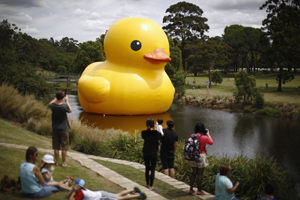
132 80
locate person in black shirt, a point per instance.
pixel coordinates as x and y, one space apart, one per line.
150 149
169 143
60 126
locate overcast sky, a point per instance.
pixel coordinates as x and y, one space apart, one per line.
85 20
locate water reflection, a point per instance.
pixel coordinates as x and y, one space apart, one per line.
125 123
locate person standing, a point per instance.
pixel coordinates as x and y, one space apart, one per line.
169 143
198 165
224 188
29 173
60 126
150 149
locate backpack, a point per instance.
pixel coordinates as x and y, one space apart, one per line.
192 148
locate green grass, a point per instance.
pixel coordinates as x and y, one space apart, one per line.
290 93
11 160
164 189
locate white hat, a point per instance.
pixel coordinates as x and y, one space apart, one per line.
48 158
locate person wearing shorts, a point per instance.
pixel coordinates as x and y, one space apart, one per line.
60 126
199 165
79 192
29 173
169 143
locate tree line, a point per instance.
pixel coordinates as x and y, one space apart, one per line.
274 47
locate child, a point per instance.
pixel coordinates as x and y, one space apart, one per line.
47 171
270 190
159 127
79 192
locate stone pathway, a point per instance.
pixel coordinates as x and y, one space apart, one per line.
88 162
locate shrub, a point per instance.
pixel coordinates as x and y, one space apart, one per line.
216 77
17 107
253 174
269 112
259 100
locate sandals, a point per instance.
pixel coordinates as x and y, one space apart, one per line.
140 192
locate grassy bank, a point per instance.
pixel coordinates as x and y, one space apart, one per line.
11 160
253 173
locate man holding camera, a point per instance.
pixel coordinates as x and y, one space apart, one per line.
60 126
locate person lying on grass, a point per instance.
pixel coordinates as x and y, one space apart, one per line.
79 192
47 171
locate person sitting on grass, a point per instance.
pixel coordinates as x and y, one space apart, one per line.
79 192
270 190
47 171
29 173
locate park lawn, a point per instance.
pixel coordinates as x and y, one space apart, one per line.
11 160
164 189
290 93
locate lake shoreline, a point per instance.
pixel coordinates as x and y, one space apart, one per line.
289 111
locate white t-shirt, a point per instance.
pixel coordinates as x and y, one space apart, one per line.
159 128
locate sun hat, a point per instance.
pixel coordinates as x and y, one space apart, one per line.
48 158
80 182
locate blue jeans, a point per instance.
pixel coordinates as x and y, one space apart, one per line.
46 191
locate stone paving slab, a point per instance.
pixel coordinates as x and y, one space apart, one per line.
167 179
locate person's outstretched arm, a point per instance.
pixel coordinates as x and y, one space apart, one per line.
232 190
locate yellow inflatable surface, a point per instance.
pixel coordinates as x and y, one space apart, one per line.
132 80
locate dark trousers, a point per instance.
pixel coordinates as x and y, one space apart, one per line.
150 163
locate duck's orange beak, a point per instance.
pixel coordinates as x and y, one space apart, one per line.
158 56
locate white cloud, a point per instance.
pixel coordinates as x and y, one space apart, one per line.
87 19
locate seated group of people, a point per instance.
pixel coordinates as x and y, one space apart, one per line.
37 182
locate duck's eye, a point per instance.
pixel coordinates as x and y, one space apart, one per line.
136 45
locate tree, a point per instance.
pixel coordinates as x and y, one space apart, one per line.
185 23
174 68
282 28
245 86
88 53
216 77
245 46
207 55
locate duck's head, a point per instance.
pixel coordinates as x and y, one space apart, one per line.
137 42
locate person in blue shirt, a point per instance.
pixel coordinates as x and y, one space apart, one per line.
29 173
224 188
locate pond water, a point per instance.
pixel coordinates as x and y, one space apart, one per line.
233 133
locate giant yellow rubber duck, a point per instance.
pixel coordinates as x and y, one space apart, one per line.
132 80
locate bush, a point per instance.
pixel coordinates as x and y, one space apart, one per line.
19 108
216 77
259 101
269 112
253 174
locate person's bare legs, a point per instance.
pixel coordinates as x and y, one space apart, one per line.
56 155
61 185
172 172
121 194
64 158
166 172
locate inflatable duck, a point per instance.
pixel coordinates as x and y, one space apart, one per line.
132 80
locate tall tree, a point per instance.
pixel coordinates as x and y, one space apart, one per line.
282 27
245 46
207 55
185 23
